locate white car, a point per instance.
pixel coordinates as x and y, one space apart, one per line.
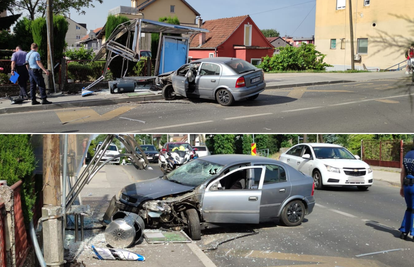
111 153
329 165
202 151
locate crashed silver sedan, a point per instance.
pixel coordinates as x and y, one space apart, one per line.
221 189
223 79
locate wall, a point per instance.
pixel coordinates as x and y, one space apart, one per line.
334 24
2 236
161 8
73 32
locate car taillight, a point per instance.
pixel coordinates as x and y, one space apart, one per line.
240 82
313 188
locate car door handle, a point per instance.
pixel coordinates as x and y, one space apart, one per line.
213 81
299 162
282 190
253 198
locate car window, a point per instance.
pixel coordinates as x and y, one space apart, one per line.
209 69
307 150
295 151
332 153
273 174
201 148
195 172
240 66
112 148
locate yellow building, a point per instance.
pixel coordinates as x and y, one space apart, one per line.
382 32
154 9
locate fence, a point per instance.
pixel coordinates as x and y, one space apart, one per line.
383 153
15 251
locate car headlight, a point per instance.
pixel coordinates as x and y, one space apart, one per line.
332 169
157 206
369 170
157 155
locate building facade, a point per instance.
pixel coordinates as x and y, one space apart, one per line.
381 30
231 37
75 33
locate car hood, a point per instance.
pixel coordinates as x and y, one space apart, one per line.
345 163
153 189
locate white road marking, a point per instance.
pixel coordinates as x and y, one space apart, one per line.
300 109
177 125
131 119
319 205
379 252
367 100
343 213
248 116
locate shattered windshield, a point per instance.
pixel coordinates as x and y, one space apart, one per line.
332 153
195 172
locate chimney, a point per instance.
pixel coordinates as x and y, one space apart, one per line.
200 22
202 38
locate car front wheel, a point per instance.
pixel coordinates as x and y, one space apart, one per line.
293 213
168 92
317 179
193 224
224 97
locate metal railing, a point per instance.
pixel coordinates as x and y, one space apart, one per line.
398 64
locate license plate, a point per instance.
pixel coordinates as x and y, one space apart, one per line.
149 157
255 80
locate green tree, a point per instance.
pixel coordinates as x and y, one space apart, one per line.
37 8
224 143
97 140
6 4
23 34
270 33
155 37
17 162
80 54
247 143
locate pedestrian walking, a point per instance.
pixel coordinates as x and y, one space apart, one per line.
18 65
410 55
407 191
35 68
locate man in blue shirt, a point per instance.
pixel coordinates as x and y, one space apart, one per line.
18 61
35 68
407 191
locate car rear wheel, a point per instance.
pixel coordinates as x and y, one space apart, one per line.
253 97
193 224
224 97
293 213
317 179
362 188
168 92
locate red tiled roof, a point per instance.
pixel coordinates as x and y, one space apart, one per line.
97 29
219 31
271 39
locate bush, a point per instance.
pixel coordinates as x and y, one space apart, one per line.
78 71
4 78
139 66
17 162
80 54
305 57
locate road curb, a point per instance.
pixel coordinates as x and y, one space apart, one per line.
79 103
307 84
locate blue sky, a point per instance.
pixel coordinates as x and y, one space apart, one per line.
290 17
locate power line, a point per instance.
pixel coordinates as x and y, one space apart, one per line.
283 7
304 19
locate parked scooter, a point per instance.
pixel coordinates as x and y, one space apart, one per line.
412 68
174 159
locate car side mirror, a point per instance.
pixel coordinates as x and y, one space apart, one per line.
306 156
357 157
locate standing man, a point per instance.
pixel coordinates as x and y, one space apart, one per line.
35 68
407 191
18 61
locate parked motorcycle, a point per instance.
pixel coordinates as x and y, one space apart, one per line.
174 159
412 68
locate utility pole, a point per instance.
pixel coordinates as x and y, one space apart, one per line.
49 23
52 210
351 27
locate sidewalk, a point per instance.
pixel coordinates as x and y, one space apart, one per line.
390 175
273 81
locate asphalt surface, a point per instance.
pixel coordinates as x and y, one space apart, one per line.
319 240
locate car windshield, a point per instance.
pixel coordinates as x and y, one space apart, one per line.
240 66
148 148
332 153
179 146
195 172
112 148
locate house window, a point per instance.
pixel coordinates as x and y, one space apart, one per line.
210 55
172 9
77 37
247 35
77 27
340 4
333 43
343 43
255 61
362 46
366 2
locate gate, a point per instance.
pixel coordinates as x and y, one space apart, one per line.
383 153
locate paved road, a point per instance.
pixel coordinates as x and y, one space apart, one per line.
346 224
380 106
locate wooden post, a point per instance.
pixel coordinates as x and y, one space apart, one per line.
401 153
49 21
51 170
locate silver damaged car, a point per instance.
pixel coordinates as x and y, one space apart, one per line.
222 79
221 189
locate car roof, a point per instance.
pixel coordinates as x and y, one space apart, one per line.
320 145
227 159
217 59
177 143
